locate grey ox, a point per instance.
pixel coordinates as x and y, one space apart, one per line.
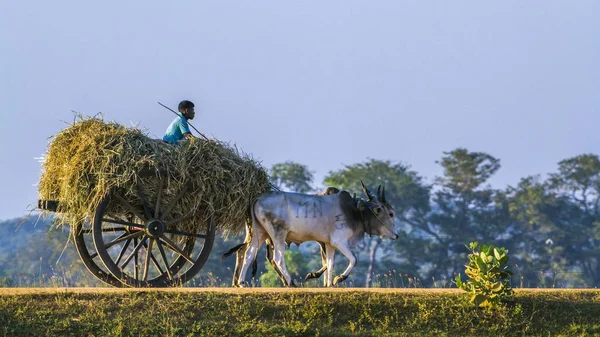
336 221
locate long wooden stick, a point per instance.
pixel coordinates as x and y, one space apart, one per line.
190 124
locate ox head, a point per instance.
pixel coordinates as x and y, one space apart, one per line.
383 212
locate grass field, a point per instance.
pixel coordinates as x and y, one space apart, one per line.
292 312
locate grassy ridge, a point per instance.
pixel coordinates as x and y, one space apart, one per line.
300 312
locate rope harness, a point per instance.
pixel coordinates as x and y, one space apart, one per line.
367 223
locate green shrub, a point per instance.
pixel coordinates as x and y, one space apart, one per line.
489 276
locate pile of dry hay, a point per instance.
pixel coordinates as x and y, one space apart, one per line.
91 158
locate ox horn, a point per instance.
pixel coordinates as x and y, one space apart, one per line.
379 192
369 195
383 196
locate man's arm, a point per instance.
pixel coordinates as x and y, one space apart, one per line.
185 130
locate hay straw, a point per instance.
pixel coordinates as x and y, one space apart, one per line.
91 158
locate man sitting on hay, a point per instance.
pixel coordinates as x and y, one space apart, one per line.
179 128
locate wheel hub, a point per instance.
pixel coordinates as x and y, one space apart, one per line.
155 228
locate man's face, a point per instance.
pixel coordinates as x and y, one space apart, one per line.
190 113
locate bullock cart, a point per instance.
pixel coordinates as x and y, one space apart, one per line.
144 213
141 245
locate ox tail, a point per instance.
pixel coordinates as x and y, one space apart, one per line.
254 268
245 243
231 251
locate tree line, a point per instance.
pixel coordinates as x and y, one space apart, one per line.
550 226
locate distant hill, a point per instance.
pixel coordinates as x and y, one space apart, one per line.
33 253
15 233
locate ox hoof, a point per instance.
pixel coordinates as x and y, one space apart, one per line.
293 285
339 279
242 284
310 275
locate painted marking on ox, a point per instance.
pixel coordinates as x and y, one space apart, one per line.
307 206
340 222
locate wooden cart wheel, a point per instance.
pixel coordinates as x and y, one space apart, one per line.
150 252
87 252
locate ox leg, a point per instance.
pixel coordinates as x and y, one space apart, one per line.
330 252
239 262
345 249
252 248
279 249
240 255
270 249
319 272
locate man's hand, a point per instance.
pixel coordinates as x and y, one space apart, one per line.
189 136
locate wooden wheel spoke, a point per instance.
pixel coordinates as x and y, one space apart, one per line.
159 197
138 245
121 222
135 263
154 260
113 229
110 244
156 265
176 232
144 202
164 258
173 202
131 208
122 238
122 252
173 246
148 256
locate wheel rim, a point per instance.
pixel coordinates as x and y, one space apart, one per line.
144 250
89 257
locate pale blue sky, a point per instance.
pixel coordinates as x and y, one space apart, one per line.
323 83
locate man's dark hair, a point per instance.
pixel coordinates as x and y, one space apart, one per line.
185 105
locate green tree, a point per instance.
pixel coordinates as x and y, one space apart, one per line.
578 184
557 225
534 210
292 176
465 210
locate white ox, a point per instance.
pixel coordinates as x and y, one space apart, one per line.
337 221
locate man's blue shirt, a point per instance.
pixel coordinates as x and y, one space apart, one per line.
175 131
